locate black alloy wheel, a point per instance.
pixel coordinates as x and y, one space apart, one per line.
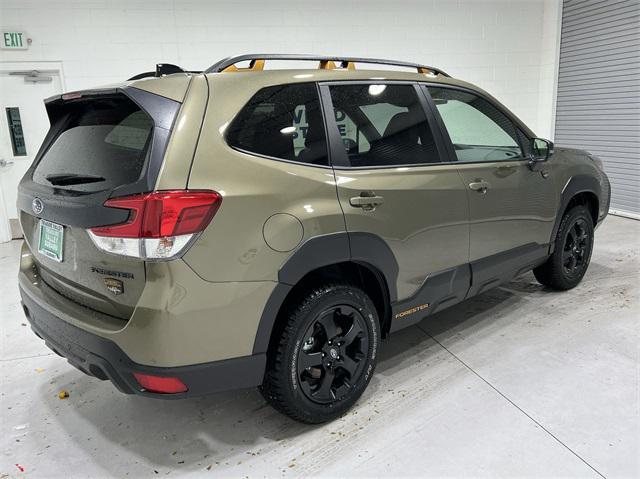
572 248
332 356
576 248
324 353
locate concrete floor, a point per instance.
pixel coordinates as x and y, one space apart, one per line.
517 382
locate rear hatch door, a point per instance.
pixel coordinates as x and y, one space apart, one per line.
101 144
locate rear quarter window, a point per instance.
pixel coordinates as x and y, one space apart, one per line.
282 122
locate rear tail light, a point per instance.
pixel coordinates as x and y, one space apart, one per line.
160 384
161 224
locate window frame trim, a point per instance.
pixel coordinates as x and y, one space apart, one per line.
274 158
338 157
453 158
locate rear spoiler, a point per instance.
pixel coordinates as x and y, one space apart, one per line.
163 110
76 95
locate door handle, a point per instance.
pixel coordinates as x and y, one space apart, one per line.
367 200
480 186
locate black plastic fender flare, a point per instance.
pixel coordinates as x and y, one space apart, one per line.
577 184
363 248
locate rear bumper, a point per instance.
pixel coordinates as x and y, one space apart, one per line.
102 358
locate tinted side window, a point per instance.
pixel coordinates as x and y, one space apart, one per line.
283 121
478 130
383 125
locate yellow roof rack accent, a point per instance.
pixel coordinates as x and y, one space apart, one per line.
324 62
256 64
427 71
331 65
326 65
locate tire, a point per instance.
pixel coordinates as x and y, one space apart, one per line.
326 354
573 245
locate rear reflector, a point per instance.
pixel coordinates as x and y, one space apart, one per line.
160 224
160 384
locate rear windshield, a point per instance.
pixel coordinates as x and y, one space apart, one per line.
103 143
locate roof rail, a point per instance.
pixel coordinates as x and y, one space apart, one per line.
257 60
161 70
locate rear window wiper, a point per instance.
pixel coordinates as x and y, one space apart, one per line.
63 179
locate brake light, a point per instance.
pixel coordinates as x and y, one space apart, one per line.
160 224
160 384
71 96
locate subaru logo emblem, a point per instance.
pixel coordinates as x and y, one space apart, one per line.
37 206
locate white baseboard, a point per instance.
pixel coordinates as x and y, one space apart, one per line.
625 214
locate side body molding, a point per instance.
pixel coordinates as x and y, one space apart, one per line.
322 251
439 291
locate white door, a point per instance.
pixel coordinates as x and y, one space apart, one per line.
23 126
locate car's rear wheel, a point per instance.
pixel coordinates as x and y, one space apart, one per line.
325 355
568 264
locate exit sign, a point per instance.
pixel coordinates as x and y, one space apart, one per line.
14 41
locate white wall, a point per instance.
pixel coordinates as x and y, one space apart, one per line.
506 47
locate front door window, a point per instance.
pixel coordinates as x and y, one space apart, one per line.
478 130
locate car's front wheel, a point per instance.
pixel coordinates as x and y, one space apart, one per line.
325 355
568 264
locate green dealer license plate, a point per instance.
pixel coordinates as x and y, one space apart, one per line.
51 240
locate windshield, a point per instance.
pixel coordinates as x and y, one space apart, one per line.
102 144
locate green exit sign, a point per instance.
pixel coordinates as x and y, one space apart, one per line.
14 41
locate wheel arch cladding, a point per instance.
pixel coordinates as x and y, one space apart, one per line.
329 257
588 199
580 189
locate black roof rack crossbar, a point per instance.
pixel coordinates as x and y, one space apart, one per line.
252 57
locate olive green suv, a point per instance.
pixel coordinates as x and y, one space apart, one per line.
191 232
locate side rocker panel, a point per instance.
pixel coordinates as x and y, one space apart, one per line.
492 271
449 287
439 291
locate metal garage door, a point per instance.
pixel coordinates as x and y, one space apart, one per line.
598 106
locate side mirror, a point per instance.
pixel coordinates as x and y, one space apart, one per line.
541 151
